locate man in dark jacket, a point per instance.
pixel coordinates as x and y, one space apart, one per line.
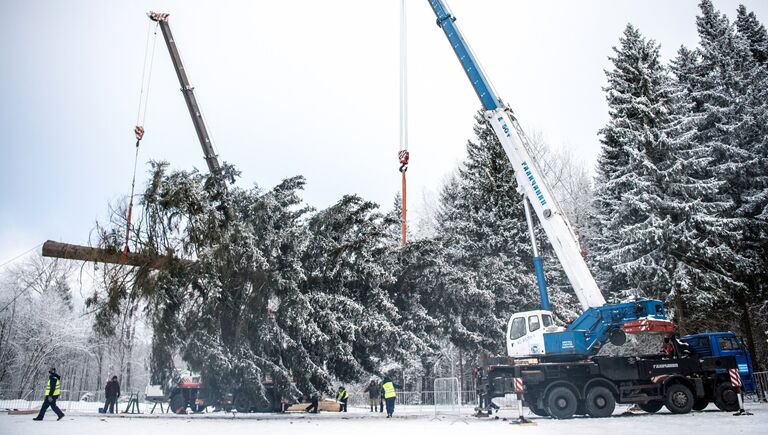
374 394
112 392
313 403
52 391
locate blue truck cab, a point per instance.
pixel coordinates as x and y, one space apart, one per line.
724 344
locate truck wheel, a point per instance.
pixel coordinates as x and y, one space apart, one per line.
177 404
700 404
561 403
726 398
679 399
600 402
652 406
541 412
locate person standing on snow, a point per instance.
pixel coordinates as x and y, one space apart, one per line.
52 391
388 390
374 394
313 404
112 392
342 396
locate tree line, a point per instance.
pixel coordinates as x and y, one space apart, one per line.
306 298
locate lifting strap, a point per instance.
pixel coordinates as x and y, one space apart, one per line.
403 154
138 132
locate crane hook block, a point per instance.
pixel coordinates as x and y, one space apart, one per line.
403 155
157 16
139 132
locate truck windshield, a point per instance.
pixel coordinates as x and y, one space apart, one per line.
518 328
728 343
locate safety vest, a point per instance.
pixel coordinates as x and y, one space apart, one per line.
389 390
56 389
343 394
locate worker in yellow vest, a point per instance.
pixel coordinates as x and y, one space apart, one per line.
52 392
388 391
342 396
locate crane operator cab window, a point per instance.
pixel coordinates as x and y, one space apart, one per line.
518 328
533 323
525 333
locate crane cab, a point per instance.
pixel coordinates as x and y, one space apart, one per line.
525 332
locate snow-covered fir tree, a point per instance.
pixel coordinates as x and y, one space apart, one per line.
754 32
478 271
730 88
629 194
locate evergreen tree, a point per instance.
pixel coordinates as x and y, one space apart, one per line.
630 198
479 270
730 88
275 292
754 32
698 283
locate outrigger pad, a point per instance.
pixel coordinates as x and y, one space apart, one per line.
743 412
649 326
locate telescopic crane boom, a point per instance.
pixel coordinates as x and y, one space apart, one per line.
532 333
188 91
530 181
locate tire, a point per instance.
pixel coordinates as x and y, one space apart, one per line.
726 398
541 412
700 404
177 404
652 406
600 402
561 403
678 399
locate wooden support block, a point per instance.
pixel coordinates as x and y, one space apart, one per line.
323 405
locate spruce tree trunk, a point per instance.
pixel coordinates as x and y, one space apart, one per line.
129 350
461 371
100 362
679 319
746 327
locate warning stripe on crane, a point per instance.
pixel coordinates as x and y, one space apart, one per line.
649 326
519 385
735 377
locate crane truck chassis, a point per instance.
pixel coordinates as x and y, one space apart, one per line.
593 386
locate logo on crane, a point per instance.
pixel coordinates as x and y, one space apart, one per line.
534 184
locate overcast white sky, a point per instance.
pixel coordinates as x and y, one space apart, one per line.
288 87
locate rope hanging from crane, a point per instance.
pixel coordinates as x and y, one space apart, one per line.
403 155
138 131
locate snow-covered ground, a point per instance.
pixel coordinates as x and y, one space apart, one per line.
359 422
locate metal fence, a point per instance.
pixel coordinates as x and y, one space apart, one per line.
68 400
91 401
761 382
425 400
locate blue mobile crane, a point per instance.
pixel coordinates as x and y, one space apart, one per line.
557 371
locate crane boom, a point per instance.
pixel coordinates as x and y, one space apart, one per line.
188 91
530 181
